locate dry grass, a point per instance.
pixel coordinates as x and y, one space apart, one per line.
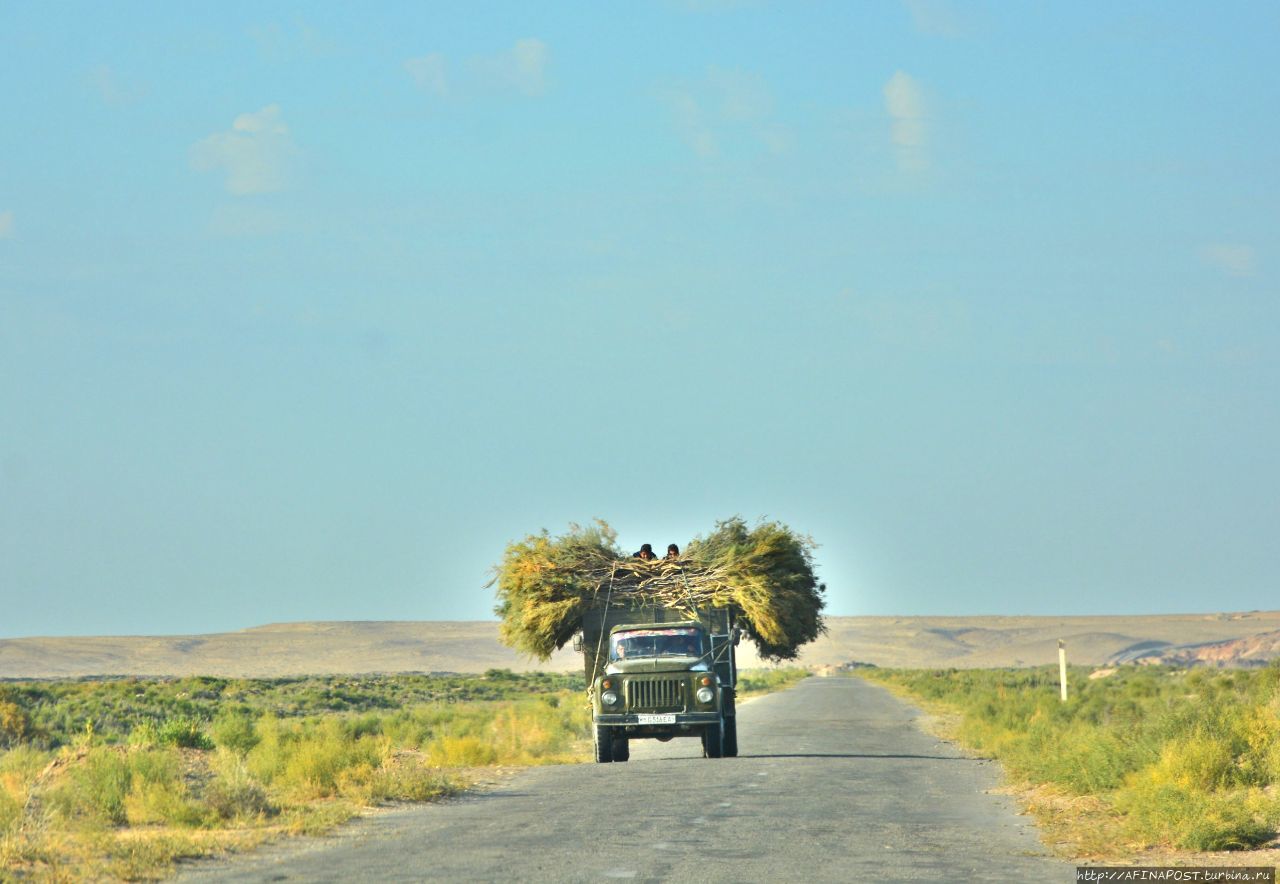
94 812
546 585
1145 762
128 804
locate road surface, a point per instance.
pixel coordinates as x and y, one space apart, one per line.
835 783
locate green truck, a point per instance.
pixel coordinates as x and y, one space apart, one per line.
656 673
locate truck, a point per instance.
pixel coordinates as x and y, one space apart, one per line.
657 673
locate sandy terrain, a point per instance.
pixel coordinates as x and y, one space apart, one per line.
429 646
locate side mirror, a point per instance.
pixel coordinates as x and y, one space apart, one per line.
577 643
738 633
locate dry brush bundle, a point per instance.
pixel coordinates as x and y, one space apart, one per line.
545 585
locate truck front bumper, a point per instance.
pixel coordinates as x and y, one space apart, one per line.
683 719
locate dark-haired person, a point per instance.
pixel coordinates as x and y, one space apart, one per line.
673 551
645 553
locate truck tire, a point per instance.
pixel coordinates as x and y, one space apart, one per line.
621 749
730 725
604 744
713 740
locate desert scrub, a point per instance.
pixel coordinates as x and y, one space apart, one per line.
118 778
764 681
1176 758
181 711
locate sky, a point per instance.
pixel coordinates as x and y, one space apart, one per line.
307 310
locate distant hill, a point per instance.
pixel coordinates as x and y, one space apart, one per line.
472 646
1249 651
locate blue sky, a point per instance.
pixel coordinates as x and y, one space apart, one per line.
306 310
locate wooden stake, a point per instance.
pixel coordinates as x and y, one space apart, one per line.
1062 668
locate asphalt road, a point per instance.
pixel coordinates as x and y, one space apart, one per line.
835 782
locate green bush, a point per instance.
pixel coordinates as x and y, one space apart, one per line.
184 732
15 724
145 735
235 731
415 782
234 793
462 751
1195 819
10 811
97 787
165 802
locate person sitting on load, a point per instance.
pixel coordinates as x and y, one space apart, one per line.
645 553
673 551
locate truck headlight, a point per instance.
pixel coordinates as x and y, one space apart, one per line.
706 695
609 698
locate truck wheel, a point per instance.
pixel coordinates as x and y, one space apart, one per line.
621 749
604 744
713 740
731 737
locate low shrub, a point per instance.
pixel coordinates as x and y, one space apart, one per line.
97 787
235 731
233 794
465 751
183 731
168 802
15 724
112 772
318 756
10 810
1188 760
758 681
1163 813
136 859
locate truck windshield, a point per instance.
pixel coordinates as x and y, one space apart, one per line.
634 643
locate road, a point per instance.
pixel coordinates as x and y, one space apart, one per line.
835 782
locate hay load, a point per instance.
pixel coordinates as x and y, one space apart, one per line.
545 585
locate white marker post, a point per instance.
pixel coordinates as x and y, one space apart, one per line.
1062 668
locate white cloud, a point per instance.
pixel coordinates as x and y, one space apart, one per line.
528 66
255 152
743 95
428 73
111 88
282 43
690 123
1233 259
726 105
777 138
939 18
521 69
6 224
904 102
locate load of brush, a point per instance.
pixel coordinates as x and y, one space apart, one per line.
545 585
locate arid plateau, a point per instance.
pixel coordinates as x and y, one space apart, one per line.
283 649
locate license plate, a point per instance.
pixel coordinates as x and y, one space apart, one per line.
655 719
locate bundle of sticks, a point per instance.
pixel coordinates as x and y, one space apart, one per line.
545 585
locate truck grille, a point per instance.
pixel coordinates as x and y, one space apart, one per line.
657 694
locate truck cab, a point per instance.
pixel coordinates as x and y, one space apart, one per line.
652 675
